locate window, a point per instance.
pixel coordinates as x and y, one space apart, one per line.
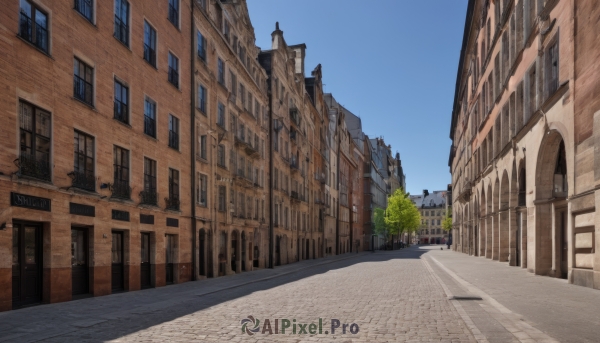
173 70
202 99
149 44
173 132
222 198
86 8
122 21
34 159
121 101
221 115
201 46
221 71
221 155
243 95
83 166
174 12
233 83
148 195
201 190
33 25
120 187
83 82
552 69
203 147
150 117
173 199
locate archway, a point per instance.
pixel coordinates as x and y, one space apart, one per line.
234 251
551 234
314 250
222 253
482 226
256 252
243 255
514 216
278 250
503 219
521 243
488 223
202 253
496 220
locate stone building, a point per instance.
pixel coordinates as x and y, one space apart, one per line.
95 194
432 207
231 133
524 131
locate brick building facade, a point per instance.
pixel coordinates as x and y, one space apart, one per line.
148 145
524 131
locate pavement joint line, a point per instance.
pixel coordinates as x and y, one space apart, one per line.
514 319
279 275
480 337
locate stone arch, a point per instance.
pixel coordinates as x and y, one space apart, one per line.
222 254
495 220
550 251
235 252
488 222
504 219
476 225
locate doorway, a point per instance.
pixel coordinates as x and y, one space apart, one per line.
234 251
170 258
202 253
564 245
145 269
243 251
79 261
117 268
27 265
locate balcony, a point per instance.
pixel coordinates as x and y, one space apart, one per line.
295 196
120 189
33 166
149 197
295 116
172 203
85 181
293 136
320 177
294 165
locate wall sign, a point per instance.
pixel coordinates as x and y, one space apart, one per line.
146 219
28 201
82 210
120 215
172 222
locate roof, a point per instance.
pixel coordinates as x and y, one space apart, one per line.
432 200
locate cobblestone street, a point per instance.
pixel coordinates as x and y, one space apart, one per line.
392 296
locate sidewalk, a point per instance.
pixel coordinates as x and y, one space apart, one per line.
515 303
49 320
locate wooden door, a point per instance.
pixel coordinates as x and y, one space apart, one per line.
145 271
117 269
27 265
79 261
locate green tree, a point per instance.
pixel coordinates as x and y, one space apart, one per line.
447 223
380 227
402 216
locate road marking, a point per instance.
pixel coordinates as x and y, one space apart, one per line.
510 320
461 311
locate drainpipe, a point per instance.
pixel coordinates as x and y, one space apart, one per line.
192 138
271 231
337 218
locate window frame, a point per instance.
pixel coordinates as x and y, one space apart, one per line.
90 3
118 103
123 35
86 181
121 171
174 191
31 35
173 132
173 73
173 13
147 122
202 97
41 167
202 190
149 193
151 46
79 81
201 45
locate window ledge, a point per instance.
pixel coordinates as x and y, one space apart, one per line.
172 211
151 138
123 123
47 54
84 103
174 149
149 207
86 19
121 200
122 43
201 112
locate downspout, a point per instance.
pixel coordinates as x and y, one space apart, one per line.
337 168
271 211
192 139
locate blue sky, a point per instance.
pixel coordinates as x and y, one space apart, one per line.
392 62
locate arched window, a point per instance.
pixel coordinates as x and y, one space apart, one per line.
560 173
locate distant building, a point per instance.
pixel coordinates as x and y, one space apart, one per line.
432 207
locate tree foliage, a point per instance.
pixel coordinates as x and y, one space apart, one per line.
379 221
401 215
447 223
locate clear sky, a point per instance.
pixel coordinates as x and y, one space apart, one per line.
392 62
